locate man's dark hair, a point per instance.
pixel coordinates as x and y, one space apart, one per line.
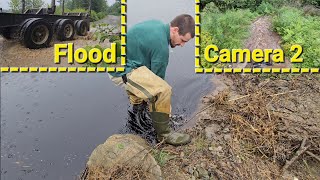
185 23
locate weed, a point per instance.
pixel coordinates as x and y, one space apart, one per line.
162 157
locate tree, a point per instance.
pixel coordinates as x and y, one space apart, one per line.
34 4
15 5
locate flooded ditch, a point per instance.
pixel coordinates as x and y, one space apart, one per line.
51 122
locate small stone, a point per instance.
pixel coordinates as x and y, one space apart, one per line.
219 148
182 154
193 178
190 170
196 173
227 137
226 130
210 148
211 131
202 173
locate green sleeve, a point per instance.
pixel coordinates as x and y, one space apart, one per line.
159 63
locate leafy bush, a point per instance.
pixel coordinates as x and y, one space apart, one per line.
94 16
266 8
226 30
211 8
104 31
114 38
298 29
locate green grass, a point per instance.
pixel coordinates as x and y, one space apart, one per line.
296 28
227 30
162 157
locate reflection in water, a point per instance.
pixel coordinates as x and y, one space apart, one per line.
50 123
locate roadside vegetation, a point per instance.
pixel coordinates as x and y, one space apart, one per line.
100 8
227 25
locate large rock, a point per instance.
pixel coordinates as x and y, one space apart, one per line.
125 150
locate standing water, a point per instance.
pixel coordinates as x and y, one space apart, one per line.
50 123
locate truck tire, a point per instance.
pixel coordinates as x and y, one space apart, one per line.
82 27
65 30
36 33
55 25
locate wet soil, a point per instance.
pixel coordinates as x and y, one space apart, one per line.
14 54
253 129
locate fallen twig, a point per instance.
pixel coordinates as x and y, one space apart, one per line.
313 155
301 150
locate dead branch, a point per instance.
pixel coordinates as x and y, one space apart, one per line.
313 155
300 151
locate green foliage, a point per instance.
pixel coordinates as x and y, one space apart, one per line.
224 5
162 157
226 30
211 8
16 5
114 38
97 5
104 31
266 8
302 30
115 9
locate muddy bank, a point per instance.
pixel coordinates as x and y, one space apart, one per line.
257 128
14 54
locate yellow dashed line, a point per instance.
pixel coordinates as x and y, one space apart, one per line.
82 69
237 70
276 70
118 69
91 69
314 70
208 70
53 69
72 69
247 70
198 70
62 69
295 70
111 69
122 69
24 69
33 69
101 69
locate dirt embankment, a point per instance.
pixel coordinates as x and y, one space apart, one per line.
259 127
262 37
14 54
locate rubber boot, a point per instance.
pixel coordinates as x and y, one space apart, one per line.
161 125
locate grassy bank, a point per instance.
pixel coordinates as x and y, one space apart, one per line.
297 28
227 26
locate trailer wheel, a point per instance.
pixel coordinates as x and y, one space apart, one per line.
82 28
65 30
55 25
36 33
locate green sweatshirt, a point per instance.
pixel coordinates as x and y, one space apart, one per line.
147 45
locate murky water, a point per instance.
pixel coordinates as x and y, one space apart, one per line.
50 123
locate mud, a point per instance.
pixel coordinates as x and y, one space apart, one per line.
262 37
14 54
253 129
